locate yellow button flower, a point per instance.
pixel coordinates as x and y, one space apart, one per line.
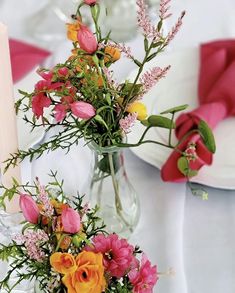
63 263
89 276
138 108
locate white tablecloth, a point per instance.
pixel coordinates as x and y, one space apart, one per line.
194 237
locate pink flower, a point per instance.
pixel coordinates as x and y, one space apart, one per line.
143 278
29 208
70 220
67 100
60 112
117 254
83 110
90 2
39 102
64 72
42 85
87 40
47 85
47 75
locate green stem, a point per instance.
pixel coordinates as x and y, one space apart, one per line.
118 203
170 132
59 242
186 136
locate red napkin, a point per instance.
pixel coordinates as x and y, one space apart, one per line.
24 58
216 92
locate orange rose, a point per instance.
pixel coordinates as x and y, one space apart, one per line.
111 54
63 263
89 276
72 31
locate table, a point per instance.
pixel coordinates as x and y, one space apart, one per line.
194 237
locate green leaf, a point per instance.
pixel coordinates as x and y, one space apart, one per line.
160 121
146 44
145 123
126 88
157 44
183 166
207 136
151 56
175 109
138 63
99 119
159 25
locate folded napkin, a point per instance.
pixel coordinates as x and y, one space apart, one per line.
216 91
24 58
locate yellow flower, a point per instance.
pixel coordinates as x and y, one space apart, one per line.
63 263
138 108
72 31
111 54
89 276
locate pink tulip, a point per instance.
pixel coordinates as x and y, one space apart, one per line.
70 220
87 40
83 110
29 208
90 2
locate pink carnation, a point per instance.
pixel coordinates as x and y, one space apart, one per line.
117 254
143 278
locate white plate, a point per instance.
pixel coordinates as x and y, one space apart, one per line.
27 138
180 87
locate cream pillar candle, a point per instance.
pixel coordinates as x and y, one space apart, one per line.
8 130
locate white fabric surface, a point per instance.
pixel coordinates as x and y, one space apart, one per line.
194 237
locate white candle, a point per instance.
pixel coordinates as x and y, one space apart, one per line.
8 129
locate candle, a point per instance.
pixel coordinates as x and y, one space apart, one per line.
8 129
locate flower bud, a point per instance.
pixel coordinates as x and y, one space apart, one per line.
70 220
29 208
83 110
77 240
63 72
87 40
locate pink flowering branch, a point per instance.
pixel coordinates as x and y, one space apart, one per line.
32 241
44 199
151 77
127 122
164 9
175 29
144 21
109 76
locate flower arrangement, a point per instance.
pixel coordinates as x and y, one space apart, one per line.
83 97
63 245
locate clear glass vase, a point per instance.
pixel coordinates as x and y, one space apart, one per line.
119 17
111 190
